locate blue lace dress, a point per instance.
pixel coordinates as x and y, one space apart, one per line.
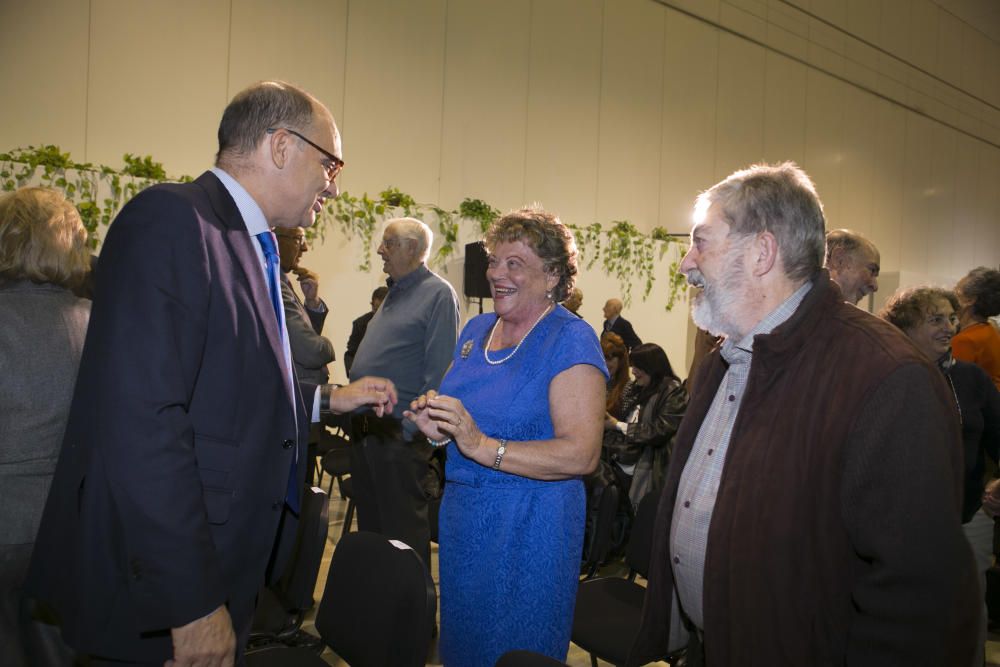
510 546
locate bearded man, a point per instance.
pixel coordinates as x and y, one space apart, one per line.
811 510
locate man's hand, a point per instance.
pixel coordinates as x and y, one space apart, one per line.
309 283
206 642
376 392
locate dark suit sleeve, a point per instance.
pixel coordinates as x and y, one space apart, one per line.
150 338
317 317
358 328
308 348
914 597
629 335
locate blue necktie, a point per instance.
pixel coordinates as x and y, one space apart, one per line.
273 267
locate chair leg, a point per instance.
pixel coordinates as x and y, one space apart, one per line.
348 518
593 660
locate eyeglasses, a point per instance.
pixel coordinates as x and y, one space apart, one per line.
333 164
391 242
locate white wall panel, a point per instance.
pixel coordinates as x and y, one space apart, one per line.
689 117
863 18
483 139
564 86
824 137
924 17
259 47
889 158
894 27
43 67
973 73
394 87
857 164
987 251
941 254
740 110
949 48
631 114
917 195
784 109
968 208
147 95
834 11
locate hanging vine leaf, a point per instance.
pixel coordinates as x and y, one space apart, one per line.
99 192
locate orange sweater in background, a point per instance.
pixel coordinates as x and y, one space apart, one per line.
979 344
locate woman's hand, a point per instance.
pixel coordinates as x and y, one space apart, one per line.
610 423
451 417
419 414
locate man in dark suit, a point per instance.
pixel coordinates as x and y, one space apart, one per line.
186 437
311 351
615 323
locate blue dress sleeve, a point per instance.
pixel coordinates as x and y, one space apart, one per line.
575 343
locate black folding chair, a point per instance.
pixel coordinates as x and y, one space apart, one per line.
378 608
608 609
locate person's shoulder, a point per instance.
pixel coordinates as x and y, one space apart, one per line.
973 374
871 337
440 285
571 323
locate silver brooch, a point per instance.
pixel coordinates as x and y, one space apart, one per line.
466 349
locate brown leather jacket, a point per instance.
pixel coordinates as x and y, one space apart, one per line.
835 538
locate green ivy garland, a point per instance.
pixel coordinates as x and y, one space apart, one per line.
99 192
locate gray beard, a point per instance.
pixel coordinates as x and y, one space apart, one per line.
714 310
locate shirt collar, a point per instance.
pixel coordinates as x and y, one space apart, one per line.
253 216
410 279
740 351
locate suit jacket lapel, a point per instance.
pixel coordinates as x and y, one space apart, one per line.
246 257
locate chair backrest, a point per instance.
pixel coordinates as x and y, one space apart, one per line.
297 583
379 603
603 528
640 544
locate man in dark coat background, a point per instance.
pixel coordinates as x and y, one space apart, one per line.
615 323
186 437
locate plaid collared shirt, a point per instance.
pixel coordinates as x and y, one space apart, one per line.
699 483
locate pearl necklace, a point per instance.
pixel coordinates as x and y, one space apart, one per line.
489 342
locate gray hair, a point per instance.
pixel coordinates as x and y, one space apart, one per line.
255 110
845 240
415 230
780 199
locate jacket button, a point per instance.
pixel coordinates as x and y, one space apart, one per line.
276 506
287 444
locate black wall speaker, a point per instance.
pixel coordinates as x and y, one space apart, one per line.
476 285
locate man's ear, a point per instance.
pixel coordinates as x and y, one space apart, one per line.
279 144
839 259
764 257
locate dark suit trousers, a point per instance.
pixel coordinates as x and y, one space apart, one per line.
24 639
388 474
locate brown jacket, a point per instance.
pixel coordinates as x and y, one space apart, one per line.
835 538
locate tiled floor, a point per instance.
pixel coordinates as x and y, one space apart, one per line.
576 658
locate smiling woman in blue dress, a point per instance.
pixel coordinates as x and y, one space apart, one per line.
521 413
